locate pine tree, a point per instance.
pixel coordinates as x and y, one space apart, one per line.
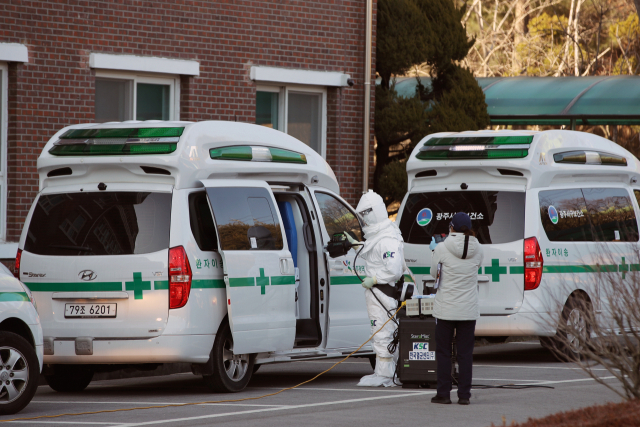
412 32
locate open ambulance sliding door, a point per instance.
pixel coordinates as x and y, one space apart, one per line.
258 268
349 324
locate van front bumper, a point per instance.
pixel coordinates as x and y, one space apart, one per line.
517 324
162 349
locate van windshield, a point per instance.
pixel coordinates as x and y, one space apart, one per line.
497 216
113 223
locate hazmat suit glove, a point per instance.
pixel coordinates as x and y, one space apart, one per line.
351 240
368 282
433 244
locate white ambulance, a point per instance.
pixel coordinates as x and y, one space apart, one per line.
159 242
556 212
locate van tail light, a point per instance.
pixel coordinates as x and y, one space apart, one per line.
533 263
16 269
179 277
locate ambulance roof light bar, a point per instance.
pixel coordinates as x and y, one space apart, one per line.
257 154
475 147
117 141
589 158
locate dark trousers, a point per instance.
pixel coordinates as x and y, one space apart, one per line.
465 337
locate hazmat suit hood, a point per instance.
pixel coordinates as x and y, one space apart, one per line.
372 212
455 245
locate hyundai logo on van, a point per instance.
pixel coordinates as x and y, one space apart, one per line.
87 275
553 214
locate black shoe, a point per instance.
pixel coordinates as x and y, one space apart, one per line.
463 401
441 399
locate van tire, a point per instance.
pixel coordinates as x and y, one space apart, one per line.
231 372
569 348
28 361
69 378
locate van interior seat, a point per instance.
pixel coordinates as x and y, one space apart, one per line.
289 223
307 331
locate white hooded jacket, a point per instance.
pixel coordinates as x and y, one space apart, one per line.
383 252
457 296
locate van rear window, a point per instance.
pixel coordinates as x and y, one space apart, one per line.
100 223
496 216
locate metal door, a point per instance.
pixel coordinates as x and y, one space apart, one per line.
258 268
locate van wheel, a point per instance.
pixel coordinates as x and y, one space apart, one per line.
574 331
69 378
231 372
19 373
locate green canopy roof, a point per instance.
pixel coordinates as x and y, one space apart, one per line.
601 100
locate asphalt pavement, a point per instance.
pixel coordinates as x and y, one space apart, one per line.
332 399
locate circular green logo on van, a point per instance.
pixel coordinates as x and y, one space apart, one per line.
553 214
424 217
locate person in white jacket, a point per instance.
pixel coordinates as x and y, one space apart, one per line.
383 253
456 306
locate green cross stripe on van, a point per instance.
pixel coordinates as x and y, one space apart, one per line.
160 285
420 270
208 284
495 270
138 285
13 296
195 284
74 287
584 268
262 281
625 268
344 280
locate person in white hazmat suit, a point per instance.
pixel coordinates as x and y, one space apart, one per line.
384 256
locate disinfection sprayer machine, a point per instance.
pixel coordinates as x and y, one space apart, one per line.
417 332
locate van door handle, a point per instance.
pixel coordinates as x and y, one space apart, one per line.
286 266
483 278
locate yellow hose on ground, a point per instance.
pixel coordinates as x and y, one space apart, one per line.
210 401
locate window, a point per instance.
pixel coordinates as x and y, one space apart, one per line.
337 217
122 96
304 118
564 215
267 109
611 214
3 146
114 223
246 218
588 214
299 111
202 227
497 216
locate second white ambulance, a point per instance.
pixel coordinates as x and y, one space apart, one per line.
160 242
556 213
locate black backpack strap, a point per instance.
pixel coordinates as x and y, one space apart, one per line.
466 247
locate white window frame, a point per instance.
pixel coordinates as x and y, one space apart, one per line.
283 105
172 81
4 124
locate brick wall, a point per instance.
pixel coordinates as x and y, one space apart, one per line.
56 87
